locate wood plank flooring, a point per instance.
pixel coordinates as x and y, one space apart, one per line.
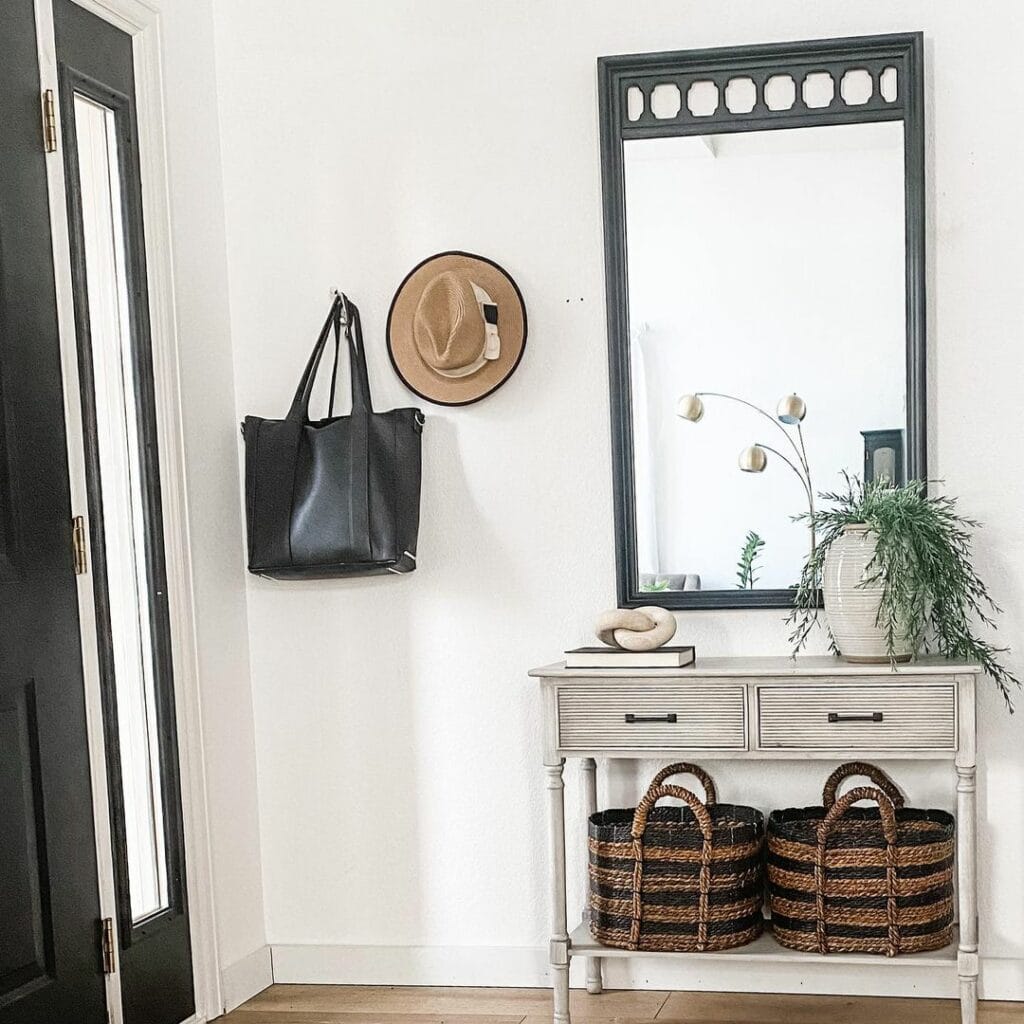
356 1004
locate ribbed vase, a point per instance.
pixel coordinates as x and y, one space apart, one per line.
852 609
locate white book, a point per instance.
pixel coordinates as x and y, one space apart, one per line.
611 657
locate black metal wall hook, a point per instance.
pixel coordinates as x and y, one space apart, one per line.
339 296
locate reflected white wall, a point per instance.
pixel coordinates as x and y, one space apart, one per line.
760 264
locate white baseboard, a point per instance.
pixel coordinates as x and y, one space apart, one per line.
484 966
522 967
246 978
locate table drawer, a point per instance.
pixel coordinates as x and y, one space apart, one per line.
652 715
840 716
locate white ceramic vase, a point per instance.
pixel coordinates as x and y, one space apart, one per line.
852 609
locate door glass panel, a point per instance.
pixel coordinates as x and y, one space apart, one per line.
121 483
885 464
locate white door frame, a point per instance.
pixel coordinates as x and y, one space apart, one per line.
141 21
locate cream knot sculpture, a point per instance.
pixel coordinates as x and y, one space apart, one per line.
636 629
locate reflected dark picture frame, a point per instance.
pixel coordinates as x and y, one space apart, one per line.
617 77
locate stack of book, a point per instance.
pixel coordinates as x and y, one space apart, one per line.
615 657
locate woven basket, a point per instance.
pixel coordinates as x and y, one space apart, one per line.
844 879
677 879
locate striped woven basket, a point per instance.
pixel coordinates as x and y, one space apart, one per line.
845 879
677 879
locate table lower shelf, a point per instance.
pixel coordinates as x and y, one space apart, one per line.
766 950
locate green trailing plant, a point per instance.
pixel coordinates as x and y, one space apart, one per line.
654 588
747 574
931 594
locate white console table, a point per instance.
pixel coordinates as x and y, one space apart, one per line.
757 709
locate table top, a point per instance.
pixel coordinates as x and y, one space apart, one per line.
802 667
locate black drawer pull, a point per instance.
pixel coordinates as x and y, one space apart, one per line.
875 716
670 719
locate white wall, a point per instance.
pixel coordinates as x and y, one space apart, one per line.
397 734
211 433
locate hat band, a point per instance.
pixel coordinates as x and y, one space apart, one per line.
492 340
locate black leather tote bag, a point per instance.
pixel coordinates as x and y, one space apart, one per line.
338 496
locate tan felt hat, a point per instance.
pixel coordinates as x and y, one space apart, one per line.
456 328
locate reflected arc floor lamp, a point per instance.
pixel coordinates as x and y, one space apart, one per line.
789 412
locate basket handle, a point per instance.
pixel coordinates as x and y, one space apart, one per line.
873 772
700 813
887 809
654 794
685 768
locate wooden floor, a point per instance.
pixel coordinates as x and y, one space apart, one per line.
333 1004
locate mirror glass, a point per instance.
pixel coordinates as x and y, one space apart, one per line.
762 265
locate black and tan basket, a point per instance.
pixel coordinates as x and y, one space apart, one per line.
678 879
845 879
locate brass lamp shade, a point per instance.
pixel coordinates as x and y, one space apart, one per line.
791 409
753 459
691 408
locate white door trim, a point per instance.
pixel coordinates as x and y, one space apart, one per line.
141 21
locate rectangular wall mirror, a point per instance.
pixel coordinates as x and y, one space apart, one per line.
764 248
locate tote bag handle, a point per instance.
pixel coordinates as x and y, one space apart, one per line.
342 311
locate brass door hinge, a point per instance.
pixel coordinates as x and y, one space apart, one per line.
107 945
49 122
78 546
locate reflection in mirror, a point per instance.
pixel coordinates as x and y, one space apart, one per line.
762 265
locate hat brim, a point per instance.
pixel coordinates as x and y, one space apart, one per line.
405 357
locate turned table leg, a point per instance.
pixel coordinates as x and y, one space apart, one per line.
559 947
588 767
967 876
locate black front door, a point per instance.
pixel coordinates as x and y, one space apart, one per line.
50 970
108 263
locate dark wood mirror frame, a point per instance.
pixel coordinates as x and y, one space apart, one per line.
616 77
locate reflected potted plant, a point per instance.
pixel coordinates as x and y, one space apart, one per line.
654 586
747 567
893 565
